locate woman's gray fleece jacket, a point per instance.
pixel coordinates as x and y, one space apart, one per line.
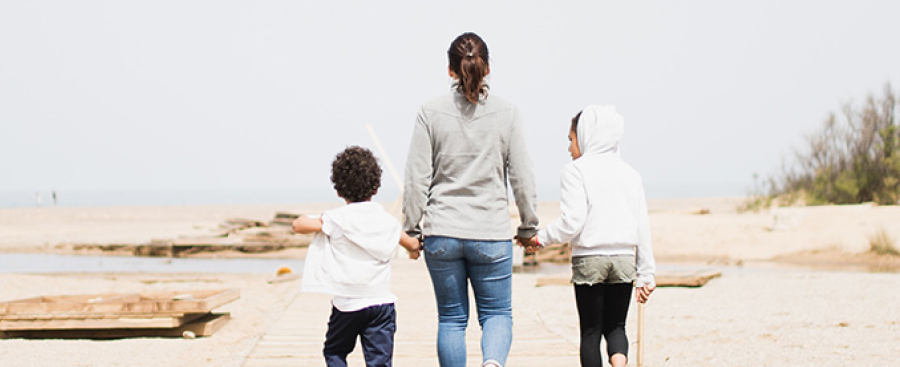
461 157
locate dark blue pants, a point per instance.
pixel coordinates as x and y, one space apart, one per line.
375 327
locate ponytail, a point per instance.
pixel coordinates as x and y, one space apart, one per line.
468 57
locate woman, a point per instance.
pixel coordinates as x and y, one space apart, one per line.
465 146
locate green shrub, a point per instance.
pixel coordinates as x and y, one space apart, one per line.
854 158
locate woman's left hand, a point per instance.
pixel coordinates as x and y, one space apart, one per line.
531 245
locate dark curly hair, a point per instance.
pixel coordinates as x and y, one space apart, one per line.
356 174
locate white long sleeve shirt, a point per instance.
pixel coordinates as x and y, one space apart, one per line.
604 211
350 258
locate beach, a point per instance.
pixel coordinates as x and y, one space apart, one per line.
798 287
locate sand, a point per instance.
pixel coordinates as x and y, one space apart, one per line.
759 313
755 317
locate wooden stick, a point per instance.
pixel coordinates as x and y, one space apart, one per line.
384 156
390 166
640 335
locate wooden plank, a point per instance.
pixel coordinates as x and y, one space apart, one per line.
168 302
683 279
212 234
690 279
243 222
27 300
284 278
74 316
211 300
287 215
72 323
543 281
206 325
281 222
204 242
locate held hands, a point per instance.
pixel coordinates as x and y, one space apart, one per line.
413 245
531 245
414 254
642 293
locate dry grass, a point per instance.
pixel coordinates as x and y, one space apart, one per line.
882 243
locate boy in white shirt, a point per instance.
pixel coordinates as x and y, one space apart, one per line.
350 258
604 219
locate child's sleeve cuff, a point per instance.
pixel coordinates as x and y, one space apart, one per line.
646 279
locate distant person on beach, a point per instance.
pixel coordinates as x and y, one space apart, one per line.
465 145
604 219
350 259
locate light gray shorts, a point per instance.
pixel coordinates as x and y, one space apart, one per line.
588 270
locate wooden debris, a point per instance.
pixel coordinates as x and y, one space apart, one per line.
558 253
286 215
162 302
73 322
235 234
242 222
205 325
284 219
283 278
106 315
281 222
215 234
543 281
686 279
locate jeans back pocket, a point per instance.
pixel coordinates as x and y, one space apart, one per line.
493 250
438 247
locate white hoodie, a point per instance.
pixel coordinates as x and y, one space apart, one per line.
604 211
350 258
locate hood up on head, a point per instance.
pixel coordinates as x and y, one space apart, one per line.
600 128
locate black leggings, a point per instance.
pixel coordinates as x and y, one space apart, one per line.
602 309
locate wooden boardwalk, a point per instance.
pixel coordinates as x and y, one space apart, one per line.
296 338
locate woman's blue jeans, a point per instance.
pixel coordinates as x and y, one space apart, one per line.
453 263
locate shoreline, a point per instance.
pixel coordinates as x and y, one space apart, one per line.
700 230
817 262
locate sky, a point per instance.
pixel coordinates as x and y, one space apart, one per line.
258 96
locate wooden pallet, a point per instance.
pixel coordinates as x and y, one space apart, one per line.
157 303
150 313
205 325
87 322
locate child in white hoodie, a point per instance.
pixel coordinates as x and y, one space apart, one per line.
350 258
604 219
